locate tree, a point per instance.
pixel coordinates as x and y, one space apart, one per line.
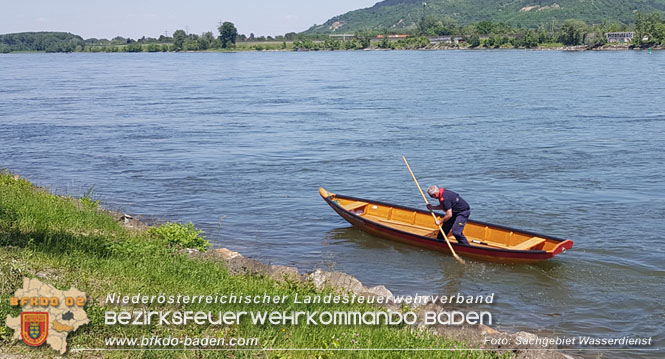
427 25
332 44
179 37
290 36
209 39
385 43
573 32
530 39
474 41
203 43
484 27
227 34
192 44
365 38
649 26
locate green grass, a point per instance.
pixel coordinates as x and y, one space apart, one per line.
67 243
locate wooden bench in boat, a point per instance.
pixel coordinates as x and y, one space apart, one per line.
354 205
528 244
411 228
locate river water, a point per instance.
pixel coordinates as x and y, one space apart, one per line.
569 144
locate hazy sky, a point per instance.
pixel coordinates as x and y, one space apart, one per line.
107 19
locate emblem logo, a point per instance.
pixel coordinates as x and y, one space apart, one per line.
34 327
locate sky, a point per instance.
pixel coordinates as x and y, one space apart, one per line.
151 18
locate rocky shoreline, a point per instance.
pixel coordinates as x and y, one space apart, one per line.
343 283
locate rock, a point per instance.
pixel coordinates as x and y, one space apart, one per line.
486 330
281 273
227 253
242 265
337 280
379 291
318 278
345 282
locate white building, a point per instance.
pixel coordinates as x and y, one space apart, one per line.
620 36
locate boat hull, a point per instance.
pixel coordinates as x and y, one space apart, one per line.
472 251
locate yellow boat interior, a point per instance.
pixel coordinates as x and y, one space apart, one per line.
422 224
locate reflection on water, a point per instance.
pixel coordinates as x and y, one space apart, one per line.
372 251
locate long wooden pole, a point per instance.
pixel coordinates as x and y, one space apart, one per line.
432 212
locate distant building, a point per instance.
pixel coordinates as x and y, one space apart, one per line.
620 36
392 36
446 39
343 36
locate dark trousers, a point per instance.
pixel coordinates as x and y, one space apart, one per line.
457 223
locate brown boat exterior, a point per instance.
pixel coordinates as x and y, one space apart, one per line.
414 226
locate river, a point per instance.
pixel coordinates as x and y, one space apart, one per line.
569 144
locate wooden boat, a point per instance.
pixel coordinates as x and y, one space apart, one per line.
415 226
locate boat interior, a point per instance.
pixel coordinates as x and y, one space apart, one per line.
422 224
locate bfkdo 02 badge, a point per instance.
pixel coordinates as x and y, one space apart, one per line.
34 327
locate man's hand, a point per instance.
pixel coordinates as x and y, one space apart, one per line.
439 222
429 206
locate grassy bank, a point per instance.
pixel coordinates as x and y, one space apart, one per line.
68 242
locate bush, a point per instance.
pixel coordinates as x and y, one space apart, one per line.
154 48
191 45
134 47
410 43
180 236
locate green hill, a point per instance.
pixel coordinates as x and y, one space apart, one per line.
404 15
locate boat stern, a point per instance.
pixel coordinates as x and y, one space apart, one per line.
562 247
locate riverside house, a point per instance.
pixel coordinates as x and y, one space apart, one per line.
446 39
620 36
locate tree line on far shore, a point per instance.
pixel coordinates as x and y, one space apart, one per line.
66 42
649 31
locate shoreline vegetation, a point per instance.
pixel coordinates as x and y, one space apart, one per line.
73 242
647 32
267 46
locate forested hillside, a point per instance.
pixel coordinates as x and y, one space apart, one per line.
405 15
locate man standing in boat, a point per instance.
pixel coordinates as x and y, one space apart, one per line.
457 212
